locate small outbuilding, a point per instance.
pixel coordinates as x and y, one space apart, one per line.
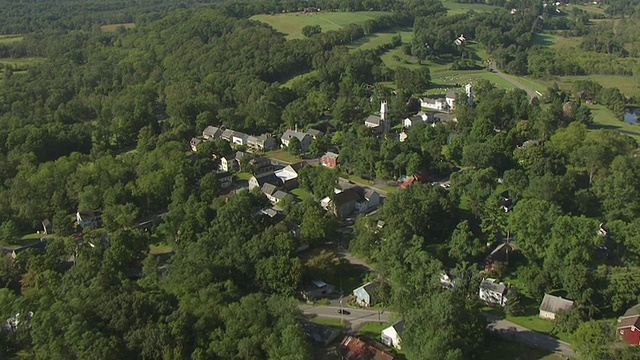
552 305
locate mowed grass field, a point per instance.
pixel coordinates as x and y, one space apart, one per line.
461 8
291 24
7 39
114 27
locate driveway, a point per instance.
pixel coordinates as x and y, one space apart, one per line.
525 336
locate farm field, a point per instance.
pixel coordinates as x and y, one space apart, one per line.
374 40
114 27
291 24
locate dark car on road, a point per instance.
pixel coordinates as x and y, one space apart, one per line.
344 312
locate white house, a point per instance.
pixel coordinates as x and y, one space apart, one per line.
369 201
493 292
391 335
551 305
419 117
450 98
461 40
239 138
228 163
364 295
436 104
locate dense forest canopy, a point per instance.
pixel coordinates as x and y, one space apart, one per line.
103 121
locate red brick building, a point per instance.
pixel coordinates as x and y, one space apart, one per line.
354 348
329 160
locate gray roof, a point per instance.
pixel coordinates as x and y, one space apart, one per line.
451 94
268 189
240 135
290 134
370 287
279 194
211 131
399 326
314 132
268 177
633 311
227 134
195 141
373 119
252 139
368 193
553 304
492 285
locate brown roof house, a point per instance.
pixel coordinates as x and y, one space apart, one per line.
551 305
354 348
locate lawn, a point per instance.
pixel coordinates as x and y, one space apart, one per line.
298 77
282 155
7 39
243 175
160 249
372 41
373 329
461 8
301 193
334 323
114 27
627 84
20 63
603 118
291 24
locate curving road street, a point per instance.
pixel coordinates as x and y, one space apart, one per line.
356 317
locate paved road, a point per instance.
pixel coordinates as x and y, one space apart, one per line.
523 335
355 319
532 93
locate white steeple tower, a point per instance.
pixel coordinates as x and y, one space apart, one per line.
384 116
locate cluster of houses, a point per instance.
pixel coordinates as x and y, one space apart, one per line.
259 143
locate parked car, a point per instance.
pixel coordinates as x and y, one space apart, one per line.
344 312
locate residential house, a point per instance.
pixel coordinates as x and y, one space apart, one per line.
420 117
499 254
329 160
415 178
448 281
365 294
628 327
264 142
450 98
194 142
343 203
224 178
229 163
391 335
315 133
493 292
551 305
260 165
211 133
273 213
239 138
304 138
460 40
317 289
436 104
227 134
88 218
270 177
273 193
372 199
403 136
354 348
289 175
